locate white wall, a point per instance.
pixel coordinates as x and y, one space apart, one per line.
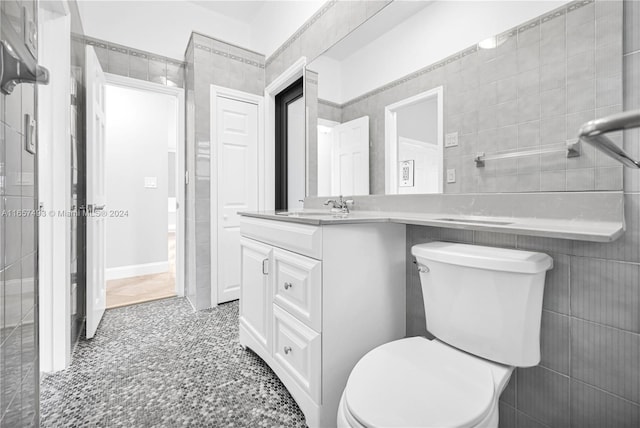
419 121
296 157
164 27
329 78
428 36
161 27
325 142
137 147
277 21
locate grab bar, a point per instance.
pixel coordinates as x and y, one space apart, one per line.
593 132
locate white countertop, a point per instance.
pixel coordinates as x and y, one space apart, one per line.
577 229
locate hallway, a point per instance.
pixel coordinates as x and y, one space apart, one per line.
145 288
161 364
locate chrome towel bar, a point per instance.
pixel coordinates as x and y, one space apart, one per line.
571 148
593 132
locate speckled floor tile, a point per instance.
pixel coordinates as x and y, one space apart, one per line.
160 364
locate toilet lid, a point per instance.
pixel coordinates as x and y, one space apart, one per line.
417 382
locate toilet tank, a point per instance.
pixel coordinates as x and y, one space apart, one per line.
484 300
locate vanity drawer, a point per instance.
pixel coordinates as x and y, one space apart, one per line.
299 238
297 286
297 349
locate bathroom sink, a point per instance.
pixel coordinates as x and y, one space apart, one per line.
455 220
310 214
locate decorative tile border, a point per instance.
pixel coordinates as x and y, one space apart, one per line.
329 103
91 41
249 58
570 7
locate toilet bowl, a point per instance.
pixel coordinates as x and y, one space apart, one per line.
417 382
483 305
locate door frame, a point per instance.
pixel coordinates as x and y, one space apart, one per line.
280 83
178 94
391 136
291 94
53 166
234 94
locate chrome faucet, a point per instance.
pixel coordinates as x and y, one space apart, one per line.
340 205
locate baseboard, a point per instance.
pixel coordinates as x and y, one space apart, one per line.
136 270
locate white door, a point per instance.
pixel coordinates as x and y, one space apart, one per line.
256 300
350 158
237 188
96 284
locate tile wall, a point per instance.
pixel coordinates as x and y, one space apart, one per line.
135 63
589 375
208 62
546 77
19 370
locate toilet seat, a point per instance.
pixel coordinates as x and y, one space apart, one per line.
417 382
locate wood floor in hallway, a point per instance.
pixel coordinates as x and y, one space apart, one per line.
145 288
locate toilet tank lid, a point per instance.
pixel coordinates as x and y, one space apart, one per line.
481 257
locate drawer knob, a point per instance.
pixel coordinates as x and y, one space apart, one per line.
287 349
287 285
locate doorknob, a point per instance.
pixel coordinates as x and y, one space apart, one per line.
95 208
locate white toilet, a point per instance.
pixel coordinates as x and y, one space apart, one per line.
483 305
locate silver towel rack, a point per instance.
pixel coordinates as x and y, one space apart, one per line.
593 132
571 148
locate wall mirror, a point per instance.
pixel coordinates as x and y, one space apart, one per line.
408 103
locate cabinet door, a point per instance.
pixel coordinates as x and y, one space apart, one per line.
297 349
297 286
255 290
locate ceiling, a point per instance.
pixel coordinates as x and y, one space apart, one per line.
391 16
240 10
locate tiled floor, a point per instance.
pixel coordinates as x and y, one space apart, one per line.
162 364
129 291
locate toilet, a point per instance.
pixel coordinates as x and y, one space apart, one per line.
483 306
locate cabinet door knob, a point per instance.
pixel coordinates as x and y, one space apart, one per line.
287 285
287 349
265 267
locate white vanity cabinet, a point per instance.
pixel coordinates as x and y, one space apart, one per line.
316 298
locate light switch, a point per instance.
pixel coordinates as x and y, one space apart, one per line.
451 176
451 139
151 182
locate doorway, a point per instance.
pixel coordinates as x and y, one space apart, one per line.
414 146
142 179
